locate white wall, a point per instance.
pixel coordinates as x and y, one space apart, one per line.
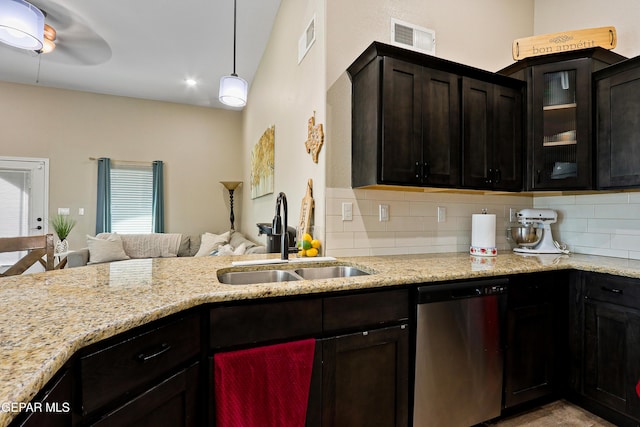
198 146
286 95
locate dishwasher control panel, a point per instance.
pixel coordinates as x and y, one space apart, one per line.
461 290
495 290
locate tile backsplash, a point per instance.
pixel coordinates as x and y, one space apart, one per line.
599 224
413 225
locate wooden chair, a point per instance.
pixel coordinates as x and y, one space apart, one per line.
38 247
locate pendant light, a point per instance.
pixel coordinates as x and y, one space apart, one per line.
21 24
233 89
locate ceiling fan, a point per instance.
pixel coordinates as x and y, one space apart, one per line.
68 39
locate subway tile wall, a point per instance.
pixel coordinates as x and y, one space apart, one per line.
598 224
413 225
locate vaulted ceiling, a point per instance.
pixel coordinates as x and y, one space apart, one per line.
145 49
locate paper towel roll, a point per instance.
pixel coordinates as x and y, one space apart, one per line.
483 234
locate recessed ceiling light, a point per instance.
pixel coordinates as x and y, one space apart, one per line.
191 82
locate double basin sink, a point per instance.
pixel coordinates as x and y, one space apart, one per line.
305 273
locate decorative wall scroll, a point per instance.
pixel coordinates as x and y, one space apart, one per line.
263 164
315 137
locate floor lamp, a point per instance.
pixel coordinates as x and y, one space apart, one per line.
231 186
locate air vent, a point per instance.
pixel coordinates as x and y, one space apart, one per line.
306 39
413 37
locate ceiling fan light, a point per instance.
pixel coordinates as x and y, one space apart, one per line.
47 46
233 91
49 39
21 25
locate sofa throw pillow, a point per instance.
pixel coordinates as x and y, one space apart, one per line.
105 249
238 238
210 242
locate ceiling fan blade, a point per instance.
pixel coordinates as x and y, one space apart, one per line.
76 42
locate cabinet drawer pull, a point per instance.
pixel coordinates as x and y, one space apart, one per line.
145 357
612 290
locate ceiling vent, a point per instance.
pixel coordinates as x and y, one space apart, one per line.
306 39
413 37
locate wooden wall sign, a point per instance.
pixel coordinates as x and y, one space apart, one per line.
545 44
315 137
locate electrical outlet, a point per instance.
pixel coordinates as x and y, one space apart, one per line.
384 212
442 214
347 211
80 211
513 215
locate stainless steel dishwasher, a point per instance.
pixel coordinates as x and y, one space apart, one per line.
459 353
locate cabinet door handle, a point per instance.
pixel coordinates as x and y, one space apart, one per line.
427 171
145 357
538 174
498 176
612 290
418 170
489 179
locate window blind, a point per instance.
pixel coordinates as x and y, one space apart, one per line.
131 198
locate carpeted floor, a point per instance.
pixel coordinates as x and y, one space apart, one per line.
559 413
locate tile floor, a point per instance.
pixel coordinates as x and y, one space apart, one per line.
558 413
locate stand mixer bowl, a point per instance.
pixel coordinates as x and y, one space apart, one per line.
526 235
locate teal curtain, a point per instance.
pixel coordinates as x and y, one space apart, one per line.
103 211
158 197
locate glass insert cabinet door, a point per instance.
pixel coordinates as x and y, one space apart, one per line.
562 137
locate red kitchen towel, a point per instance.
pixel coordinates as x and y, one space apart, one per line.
265 386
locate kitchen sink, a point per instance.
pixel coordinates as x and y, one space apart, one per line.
261 276
313 273
306 273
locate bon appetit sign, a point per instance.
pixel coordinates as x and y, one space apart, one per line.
545 44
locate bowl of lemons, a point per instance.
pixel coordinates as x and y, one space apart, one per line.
308 246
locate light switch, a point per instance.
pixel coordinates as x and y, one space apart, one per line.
80 211
63 211
347 211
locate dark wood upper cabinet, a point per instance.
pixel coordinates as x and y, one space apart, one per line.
492 136
407 120
618 125
559 117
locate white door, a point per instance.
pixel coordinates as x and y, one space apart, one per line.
24 199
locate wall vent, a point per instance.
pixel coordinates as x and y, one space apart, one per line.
413 37
306 39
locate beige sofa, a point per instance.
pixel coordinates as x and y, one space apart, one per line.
109 247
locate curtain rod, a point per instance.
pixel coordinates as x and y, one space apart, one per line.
131 162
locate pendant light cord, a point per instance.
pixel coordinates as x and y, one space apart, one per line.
234 37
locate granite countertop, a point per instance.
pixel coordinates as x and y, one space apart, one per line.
46 317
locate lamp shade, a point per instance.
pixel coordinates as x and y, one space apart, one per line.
21 24
233 91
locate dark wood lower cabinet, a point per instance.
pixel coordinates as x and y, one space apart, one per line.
606 343
535 335
612 356
365 379
54 408
173 402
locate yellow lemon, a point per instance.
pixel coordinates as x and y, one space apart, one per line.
312 252
307 237
315 243
301 252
